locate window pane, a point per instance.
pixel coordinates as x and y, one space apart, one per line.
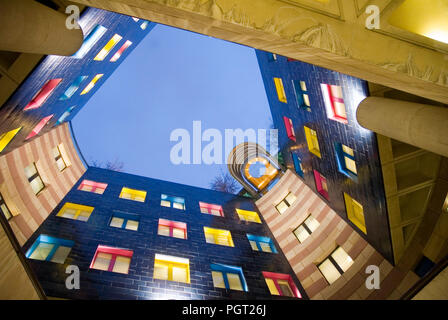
122 264
311 223
286 289
6 211
215 212
163 231
165 203
234 281
350 164
303 85
42 250
204 210
266 247
37 185
348 150
342 259
209 238
180 274
60 164
86 187
329 271
291 198
272 288
132 225
178 205
116 222
178 233
253 244
69 213
102 261
301 233
306 99
160 271
282 207
218 280
61 254
83 216
30 171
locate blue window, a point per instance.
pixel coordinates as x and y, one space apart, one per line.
345 158
228 277
297 163
124 220
73 87
302 97
172 202
47 248
264 244
89 41
65 115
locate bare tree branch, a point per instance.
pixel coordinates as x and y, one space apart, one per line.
224 182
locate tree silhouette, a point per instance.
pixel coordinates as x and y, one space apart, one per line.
224 182
115 165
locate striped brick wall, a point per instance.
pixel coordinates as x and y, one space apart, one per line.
332 232
31 210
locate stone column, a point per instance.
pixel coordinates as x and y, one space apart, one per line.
420 125
28 26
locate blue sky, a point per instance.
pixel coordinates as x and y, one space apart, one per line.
172 78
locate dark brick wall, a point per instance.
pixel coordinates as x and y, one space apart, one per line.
139 283
368 189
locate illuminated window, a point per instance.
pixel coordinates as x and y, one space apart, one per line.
144 25
312 142
39 127
4 208
60 157
89 41
172 202
43 94
120 51
321 184
286 203
47 248
173 229
171 268
108 47
335 265
218 236
212 209
228 277
280 284
75 211
132 194
289 128
6 138
334 102
297 164
92 186
112 259
302 97
91 83
272 57
34 178
280 90
73 88
65 115
264 244
124 220
246 215
355 212
345 158
303 231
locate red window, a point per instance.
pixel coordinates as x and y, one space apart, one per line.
213 209
120 51
43 94
281 284
39 127
289 128
172 229
92 186
334 102
321 184
112 259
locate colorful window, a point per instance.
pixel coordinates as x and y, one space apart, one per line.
112 259
312 142
286 203
334 102
172 202
171 268
259 243
47 248
60 156
302 97
281 284
39 127
43 94
120 51
132 194
246 215
92 83
280 90
173 229
4 208
297 164
345 158
228 277
289 128
73 88
321 184
65 115
6 138
35 180
108 47
218 236
125 220
335 265
303 231
89 41
75 212
92 186
213 209
355 212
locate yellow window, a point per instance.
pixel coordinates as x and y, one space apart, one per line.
355 212
272 287
218 279
286 203
6 138
246 215
311 140
108 47
218 236
75 211
171 268
280 90
234 281
91 83
132 194
60 156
